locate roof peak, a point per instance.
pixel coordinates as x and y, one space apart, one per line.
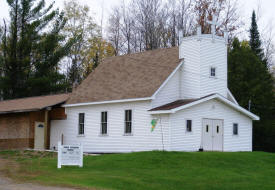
142 52
129 76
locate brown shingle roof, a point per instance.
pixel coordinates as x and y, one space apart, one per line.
31 103
136 75
173 105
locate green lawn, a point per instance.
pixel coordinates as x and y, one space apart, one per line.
152 170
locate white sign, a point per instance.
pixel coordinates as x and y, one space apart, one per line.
70 155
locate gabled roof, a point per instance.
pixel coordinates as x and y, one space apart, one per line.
183 104
31 103
130 76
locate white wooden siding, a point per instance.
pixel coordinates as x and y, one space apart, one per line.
169 93
116 141
213 109
213 54
190 81
173 128
193 79
199 54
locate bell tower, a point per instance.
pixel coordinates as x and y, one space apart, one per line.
204 69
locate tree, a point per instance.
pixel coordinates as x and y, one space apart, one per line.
12 67
115 29
47 55
81 25
273 72
226 12
99 49
32 48
185 17
1 61
268 44
267 38
146 14
255 41
128 25
249 80
151 24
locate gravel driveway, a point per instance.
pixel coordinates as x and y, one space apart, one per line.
7 184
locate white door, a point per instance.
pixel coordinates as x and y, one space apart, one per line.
39 135
212 135
217 132
207 135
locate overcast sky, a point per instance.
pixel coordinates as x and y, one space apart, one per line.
267 14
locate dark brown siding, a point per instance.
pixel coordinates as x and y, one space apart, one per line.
58 114
6 144
14 131
17 129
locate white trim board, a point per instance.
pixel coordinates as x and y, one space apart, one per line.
203 36
107 102
215 96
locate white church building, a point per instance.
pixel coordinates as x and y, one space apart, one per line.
173 99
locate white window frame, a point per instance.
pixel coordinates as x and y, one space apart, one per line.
210 72
78 132
131 133
237 129
101 131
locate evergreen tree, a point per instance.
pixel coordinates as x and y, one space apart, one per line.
1 61
248 79
13 67
255 41
48 52
32 47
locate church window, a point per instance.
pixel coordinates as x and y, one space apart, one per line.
188 125
212 72
235 129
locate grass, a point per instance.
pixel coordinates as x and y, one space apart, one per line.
151 170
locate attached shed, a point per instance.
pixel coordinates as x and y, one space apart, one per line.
25 122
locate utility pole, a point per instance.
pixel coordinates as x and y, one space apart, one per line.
249 105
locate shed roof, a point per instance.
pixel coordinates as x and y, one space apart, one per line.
173 105
178 103
131 76
31 103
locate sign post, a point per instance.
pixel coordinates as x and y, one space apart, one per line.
70 155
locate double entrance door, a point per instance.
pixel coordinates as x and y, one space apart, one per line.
212 135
